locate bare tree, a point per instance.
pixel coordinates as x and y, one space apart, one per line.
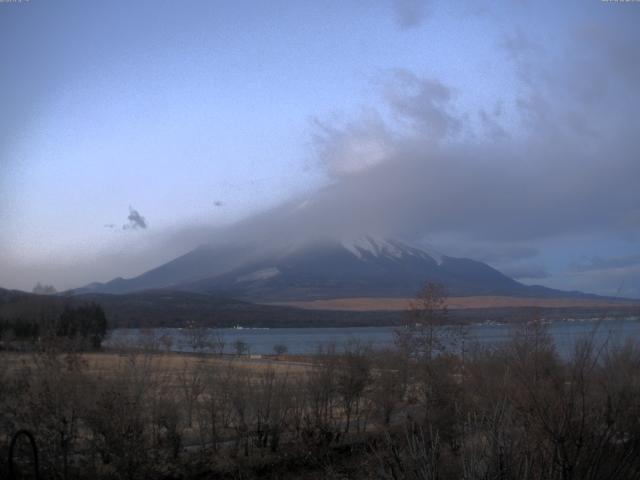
420 337
320 392
272 405
353 376
166 341
280 349
198 338
191 386
412 456
388 383
240 347
119 416
215 408
217 342
55 403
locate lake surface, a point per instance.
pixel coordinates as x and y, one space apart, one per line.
307 340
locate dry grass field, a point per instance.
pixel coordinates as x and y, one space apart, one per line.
363 304
104 363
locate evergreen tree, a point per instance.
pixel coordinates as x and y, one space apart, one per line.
86 321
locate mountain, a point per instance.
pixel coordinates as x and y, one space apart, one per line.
202 262
367 267
322 269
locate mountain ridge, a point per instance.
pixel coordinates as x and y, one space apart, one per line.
366 266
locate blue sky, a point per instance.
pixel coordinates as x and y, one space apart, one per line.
198 115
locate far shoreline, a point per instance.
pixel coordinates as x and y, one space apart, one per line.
393 304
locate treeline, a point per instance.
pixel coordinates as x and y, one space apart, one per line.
514 412
166 308
84 324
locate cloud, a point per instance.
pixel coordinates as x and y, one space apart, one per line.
614 47
412 180
498 253
421 108
406 169
491 125
526 271
347 148
618 282
423 103
135 220
588 264
410 13
45 289
525 177
518 45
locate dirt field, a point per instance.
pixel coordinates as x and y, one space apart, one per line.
363 304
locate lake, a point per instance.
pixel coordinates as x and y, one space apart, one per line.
307 340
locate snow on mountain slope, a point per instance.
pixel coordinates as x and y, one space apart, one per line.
262 274
366 266
369 246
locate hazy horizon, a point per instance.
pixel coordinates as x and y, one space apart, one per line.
131 133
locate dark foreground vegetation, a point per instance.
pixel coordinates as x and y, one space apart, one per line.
413 412
83 326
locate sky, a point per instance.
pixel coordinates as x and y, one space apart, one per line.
132 132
